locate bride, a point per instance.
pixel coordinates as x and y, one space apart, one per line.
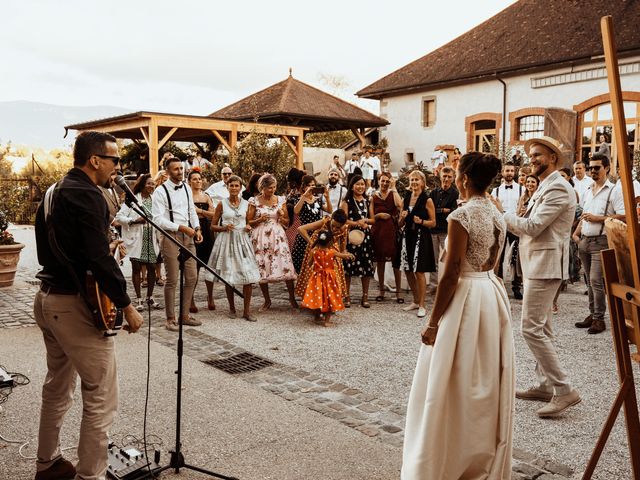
459 416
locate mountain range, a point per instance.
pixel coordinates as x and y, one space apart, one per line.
42 124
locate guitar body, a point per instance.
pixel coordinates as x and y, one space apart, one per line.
106 316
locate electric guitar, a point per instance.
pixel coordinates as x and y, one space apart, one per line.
106 316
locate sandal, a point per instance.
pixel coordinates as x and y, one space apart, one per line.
380 298
160 282
399 300
347 302
364 303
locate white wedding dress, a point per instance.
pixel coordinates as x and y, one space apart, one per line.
460 411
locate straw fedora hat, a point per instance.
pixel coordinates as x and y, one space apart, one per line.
356 237
549 142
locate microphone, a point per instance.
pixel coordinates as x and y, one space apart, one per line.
130 196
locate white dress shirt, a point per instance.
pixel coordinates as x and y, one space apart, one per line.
636 188
581 186
182 206
607 201
336 195
509 196
351 165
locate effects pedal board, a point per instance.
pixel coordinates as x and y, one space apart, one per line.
129 463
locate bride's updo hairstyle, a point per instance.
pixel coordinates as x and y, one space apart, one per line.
480 168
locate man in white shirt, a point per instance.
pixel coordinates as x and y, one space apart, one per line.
377 169
366 165
438 159
601 201
351 164
509 192
636 186
336 191
196 162
218 191
340 169
174 211
581 181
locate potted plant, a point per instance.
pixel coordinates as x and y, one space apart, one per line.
9 253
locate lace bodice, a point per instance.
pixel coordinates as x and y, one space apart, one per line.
486 229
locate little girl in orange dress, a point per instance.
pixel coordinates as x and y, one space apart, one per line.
323 293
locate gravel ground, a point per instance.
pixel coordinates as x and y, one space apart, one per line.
375 349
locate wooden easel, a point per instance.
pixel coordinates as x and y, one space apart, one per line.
624 330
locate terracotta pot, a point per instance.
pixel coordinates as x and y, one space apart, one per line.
9 256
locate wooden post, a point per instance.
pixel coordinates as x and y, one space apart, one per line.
623 333
300 151
153 146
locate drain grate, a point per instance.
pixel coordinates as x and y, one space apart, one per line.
241 363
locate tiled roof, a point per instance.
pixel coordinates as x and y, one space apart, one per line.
530 35
292 102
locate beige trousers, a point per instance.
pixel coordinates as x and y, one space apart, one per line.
537 331
172 266
75 347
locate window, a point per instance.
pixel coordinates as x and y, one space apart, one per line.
428 111
409 158
531 126
597 126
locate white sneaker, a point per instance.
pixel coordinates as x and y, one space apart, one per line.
155 305
421 312
139 304
413 306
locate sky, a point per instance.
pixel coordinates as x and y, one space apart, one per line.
196 56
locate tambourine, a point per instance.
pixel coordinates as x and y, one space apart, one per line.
356 237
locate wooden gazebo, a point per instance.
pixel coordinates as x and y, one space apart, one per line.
292 102
156 129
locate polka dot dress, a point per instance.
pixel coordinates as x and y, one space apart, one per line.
322 290
310 212
362 266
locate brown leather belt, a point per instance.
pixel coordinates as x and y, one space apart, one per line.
56 291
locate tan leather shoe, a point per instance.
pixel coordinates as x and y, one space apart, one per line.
192 322
171 325
535 393
558 404
61 470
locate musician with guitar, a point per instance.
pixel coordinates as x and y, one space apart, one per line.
73 249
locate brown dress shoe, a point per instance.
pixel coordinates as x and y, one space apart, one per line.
586 323
61 470
535 393
597 327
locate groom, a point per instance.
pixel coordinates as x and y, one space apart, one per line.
544 233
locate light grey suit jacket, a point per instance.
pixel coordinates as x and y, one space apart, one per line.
545 230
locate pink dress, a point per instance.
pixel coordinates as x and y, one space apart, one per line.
270 245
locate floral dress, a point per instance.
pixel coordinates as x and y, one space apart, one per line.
270 244
323 291
310 212
362 266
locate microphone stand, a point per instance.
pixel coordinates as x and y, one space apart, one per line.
177 458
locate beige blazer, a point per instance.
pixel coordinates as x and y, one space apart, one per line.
545 230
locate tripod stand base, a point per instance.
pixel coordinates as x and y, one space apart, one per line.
177 462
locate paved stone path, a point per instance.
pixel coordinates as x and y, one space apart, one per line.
352 407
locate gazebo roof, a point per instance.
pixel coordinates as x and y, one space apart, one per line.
292 102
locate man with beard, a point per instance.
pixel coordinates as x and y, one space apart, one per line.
509 192
336 191
175 212
71 237
581 181
544 232
601 200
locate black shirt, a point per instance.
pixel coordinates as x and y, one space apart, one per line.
80 221
443 199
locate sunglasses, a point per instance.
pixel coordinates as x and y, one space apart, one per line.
113 158
595 168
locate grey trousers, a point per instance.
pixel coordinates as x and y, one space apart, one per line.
75 347
589 251
437 240
172 267
537 331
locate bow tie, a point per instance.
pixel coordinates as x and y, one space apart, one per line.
179 186
506 186
332 186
